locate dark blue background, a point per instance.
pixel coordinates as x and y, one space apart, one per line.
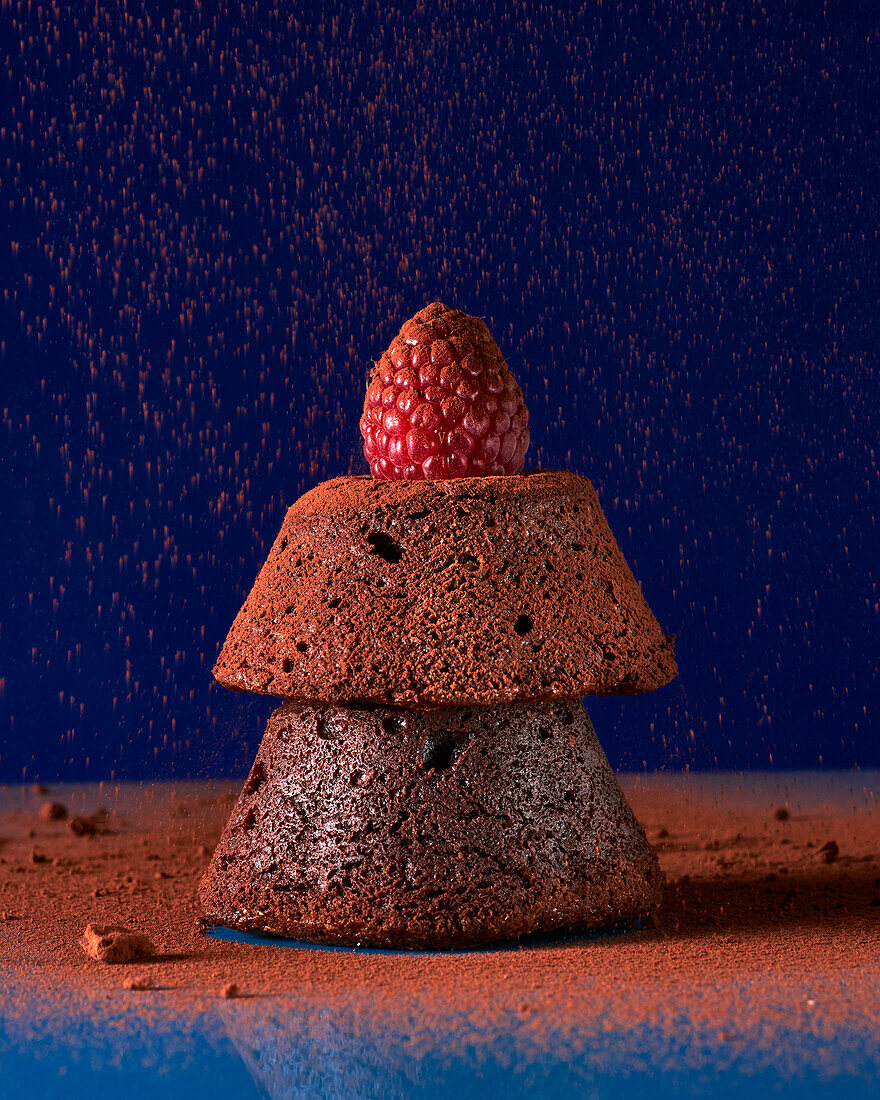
668 217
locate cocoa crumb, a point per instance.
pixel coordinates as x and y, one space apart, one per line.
139 982
229 990
829 852
781 813
112 943
38 857
88 826
39 788
53 811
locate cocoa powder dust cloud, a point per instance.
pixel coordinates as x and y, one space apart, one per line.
213 224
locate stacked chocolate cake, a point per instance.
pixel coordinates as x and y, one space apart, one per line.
432 778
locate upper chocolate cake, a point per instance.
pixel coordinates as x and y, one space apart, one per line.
473 590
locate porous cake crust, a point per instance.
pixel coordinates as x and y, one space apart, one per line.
429 829
473 590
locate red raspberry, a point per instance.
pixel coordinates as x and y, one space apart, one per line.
442 403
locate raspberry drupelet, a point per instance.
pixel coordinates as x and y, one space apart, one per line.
442 403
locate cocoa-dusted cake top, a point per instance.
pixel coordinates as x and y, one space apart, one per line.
418 593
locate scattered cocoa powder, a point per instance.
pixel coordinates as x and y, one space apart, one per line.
746 934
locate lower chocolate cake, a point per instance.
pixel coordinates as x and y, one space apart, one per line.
429 829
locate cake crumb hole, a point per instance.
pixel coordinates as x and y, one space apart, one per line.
255 779
440 751
523 625
385 547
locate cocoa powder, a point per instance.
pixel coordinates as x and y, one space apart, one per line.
756 933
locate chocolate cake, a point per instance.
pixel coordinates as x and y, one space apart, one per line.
440 827
472 590
433 779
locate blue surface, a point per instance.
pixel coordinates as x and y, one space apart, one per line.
126 1065
221 1074
290 1059
290 1047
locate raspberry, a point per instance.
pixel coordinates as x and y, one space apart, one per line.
442 403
